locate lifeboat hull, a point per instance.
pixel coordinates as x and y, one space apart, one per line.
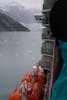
35 90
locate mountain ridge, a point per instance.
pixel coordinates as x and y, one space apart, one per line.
19 13
9 24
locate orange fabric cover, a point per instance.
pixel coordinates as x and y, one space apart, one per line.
27 78
40 78
15 96
36 90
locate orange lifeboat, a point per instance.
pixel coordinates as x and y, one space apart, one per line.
31 87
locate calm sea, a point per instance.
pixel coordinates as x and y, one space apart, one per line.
19 51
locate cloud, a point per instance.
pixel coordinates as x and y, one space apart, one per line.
32 3
27 3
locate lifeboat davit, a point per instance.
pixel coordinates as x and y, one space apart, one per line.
31 86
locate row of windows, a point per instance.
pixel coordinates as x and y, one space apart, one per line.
38 17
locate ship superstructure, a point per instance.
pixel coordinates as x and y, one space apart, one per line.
48 47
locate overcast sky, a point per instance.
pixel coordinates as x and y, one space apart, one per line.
26 3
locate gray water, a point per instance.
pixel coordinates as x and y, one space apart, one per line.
19 51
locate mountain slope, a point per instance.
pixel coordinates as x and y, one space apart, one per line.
9 24
20 14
